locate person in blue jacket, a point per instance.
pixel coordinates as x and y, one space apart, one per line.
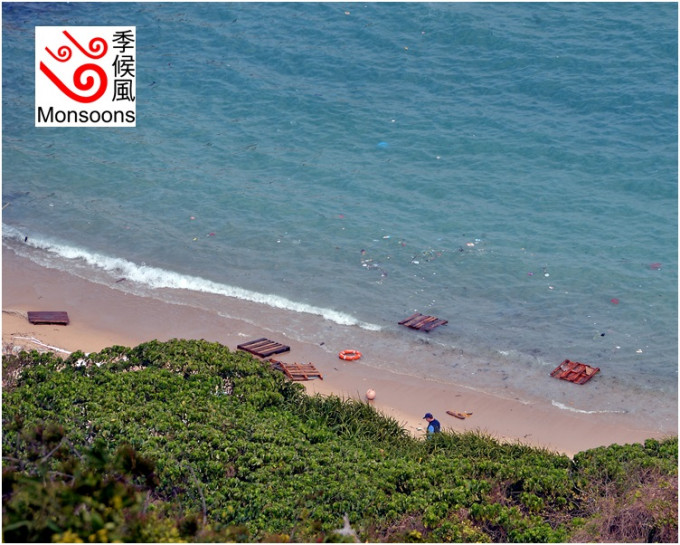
433 425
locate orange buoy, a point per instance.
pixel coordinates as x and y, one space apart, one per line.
350 355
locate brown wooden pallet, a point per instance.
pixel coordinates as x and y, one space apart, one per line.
297 371
48 317
263 347
422 322
573 371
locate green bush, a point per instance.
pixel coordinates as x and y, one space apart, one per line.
189 441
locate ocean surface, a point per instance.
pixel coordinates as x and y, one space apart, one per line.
509 167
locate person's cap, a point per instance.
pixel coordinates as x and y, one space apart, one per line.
428 415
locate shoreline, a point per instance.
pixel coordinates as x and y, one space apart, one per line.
102 316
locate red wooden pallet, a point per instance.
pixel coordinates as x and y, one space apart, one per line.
573 371
422 322
48 317
263 347
297 371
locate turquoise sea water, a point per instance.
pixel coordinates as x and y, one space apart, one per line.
509 167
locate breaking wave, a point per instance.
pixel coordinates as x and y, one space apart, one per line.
58 255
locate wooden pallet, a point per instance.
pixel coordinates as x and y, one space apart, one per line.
48 317
297 371
263 347
573 371
422 322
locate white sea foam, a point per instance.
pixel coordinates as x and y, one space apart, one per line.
582 411
157 278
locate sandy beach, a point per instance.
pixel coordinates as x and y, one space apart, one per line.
102 316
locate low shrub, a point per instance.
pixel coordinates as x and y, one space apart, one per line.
189 441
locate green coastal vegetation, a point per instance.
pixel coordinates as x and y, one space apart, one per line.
189 441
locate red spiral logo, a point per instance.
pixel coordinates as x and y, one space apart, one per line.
63 53
83 85
97 48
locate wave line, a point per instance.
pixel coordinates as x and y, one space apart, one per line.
157 278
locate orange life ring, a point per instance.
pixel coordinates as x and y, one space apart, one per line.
350 355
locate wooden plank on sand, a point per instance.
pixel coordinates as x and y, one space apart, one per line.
297 371
461 415
48 317
263 347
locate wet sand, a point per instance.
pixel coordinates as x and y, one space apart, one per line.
102 316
